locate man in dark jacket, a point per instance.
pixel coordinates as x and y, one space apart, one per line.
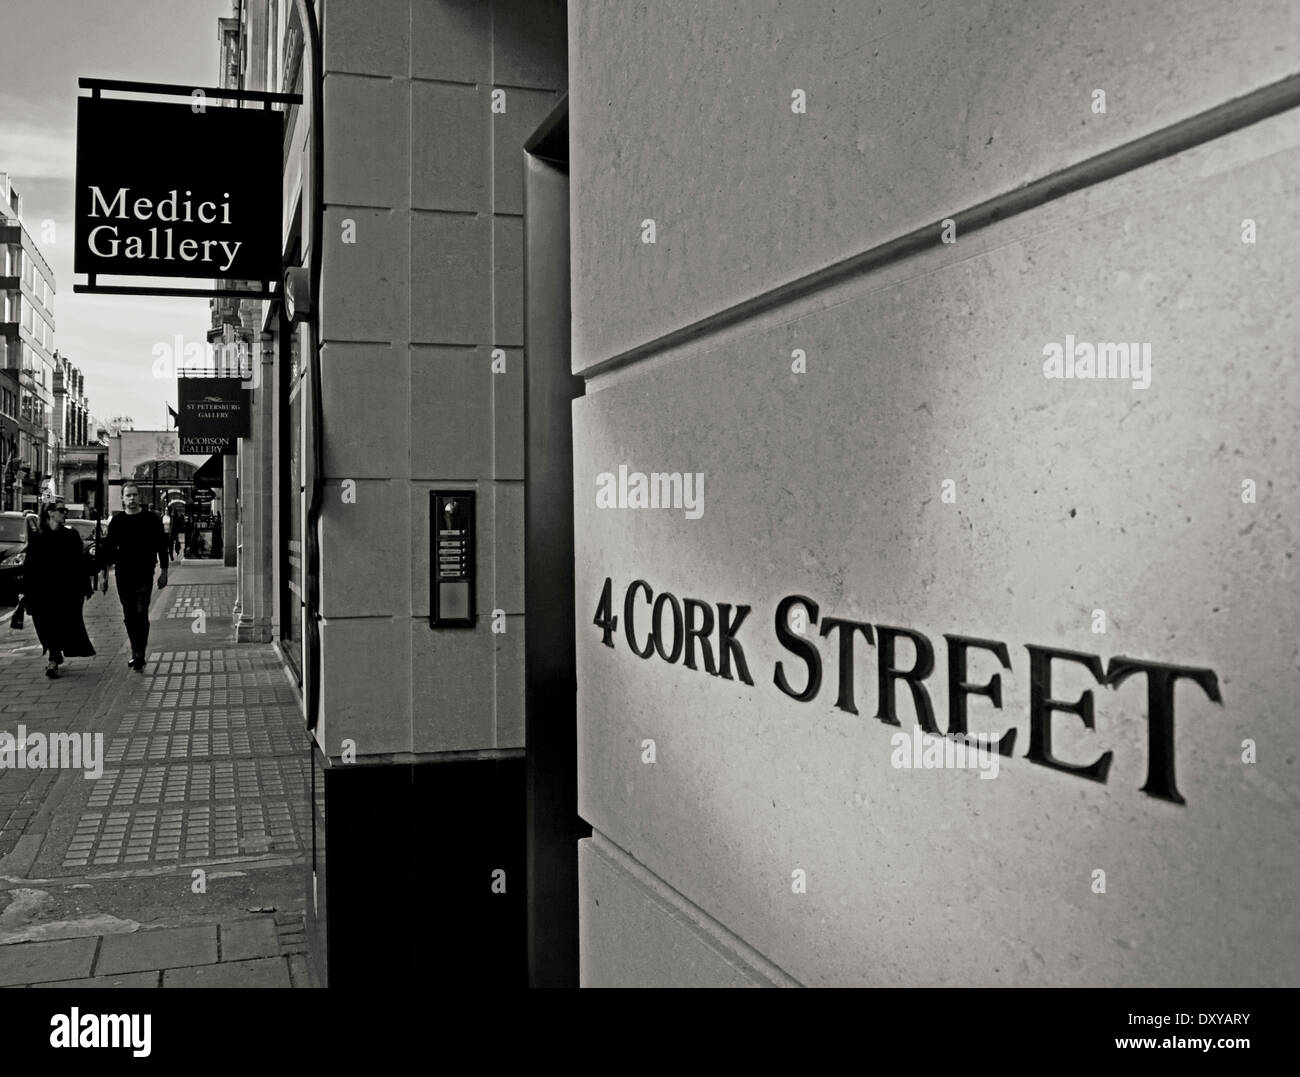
135 543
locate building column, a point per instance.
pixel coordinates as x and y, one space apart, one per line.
229 511
256 508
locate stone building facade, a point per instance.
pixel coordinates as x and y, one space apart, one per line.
976 321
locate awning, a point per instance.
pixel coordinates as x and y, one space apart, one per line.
212 470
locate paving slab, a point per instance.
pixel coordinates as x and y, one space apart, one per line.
260 972
30 962
249 938
301 972
166 948
126 979
205 759
18 862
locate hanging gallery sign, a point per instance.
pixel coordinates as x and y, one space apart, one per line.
166 190
214 414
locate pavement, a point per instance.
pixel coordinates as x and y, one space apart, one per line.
181 864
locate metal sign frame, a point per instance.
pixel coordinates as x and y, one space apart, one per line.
269 289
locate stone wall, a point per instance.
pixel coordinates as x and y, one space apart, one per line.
866 387
422 286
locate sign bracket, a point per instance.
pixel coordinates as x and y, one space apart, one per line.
172 89
261 274
267 292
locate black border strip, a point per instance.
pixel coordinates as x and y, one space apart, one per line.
199 293
172 89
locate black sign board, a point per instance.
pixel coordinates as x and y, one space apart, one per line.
214 414
451 558
203 497
167 190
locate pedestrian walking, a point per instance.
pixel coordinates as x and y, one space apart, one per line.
178 529
135 543
57 580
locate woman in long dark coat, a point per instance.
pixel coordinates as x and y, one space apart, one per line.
56 581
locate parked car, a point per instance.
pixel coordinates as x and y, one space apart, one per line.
15 529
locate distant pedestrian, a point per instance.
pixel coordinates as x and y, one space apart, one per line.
134 545
57 580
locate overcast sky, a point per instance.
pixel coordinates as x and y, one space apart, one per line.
47 45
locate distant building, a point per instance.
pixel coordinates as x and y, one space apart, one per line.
152 460
26 356
79 441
